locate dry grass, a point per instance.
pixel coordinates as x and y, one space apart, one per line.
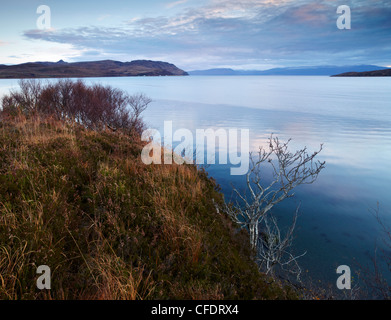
110 227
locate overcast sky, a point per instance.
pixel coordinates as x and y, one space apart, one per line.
198 34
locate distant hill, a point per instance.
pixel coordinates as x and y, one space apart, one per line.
374 73
104 68
302 71
215 72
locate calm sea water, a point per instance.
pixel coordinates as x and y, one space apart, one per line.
350 116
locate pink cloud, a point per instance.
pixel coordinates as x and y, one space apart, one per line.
314 14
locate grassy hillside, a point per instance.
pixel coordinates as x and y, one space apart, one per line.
110 227
105 68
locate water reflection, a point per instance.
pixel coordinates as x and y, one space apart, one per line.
335 225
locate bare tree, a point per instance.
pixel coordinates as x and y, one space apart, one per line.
289 170
275 248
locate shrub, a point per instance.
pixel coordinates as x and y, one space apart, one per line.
95 107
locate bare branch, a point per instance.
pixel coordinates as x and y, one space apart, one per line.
288 170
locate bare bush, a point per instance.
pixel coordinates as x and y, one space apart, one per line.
289 170
138 102
97 107
25 100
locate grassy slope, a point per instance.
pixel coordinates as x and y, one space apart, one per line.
110 227
105 68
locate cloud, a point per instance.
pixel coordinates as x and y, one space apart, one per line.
104 17
176 3
243 32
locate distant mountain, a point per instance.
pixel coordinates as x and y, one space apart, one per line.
296 71
105 68
374 73
215 72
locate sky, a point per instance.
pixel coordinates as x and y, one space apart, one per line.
198 34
